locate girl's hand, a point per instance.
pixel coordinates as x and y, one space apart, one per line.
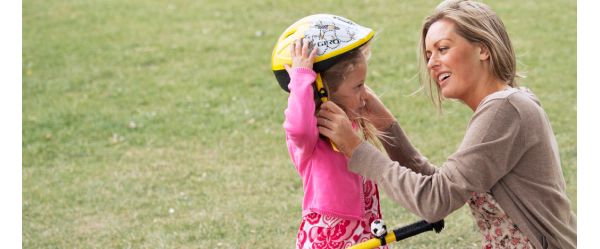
335 124
376 112
303 54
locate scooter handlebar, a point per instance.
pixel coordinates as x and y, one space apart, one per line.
417 228
401 233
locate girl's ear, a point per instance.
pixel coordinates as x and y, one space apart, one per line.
484 52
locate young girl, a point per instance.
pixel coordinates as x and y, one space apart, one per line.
338 205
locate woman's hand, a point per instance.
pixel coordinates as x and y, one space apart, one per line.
335 124
376 112
303 55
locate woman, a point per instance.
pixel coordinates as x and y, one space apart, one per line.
507 168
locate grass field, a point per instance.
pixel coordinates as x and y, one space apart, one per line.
157 124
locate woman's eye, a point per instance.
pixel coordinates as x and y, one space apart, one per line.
442 49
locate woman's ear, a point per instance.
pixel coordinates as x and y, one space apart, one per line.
484 52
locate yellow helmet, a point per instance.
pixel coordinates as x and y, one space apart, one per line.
333 36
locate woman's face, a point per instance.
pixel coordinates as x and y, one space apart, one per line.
351 94
454 63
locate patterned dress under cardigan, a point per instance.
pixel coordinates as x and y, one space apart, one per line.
498 230
323 231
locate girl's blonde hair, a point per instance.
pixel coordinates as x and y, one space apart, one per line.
477 23
335 76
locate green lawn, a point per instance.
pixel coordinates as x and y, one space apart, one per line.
157 124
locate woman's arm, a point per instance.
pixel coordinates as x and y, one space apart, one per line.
490 149
400 149
431 197
395 141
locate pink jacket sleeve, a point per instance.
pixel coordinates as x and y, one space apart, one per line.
300 121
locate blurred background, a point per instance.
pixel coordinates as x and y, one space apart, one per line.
158 124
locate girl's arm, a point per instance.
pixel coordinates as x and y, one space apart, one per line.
300 122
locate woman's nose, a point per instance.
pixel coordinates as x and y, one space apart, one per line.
433 61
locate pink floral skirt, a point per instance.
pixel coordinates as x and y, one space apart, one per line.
323 231
498 230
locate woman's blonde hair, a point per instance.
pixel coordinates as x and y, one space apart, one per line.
477 23
335 76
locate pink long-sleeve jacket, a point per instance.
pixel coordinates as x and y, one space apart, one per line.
329 187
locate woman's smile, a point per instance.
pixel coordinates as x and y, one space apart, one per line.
443 78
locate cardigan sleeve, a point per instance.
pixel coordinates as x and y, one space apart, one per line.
490 149
300 121
401 150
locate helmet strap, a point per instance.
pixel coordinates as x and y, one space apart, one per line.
321 91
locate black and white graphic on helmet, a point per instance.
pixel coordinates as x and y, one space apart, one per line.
328 36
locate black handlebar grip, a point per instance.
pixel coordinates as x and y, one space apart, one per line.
417 228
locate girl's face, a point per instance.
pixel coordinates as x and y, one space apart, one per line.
454 63
351 94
